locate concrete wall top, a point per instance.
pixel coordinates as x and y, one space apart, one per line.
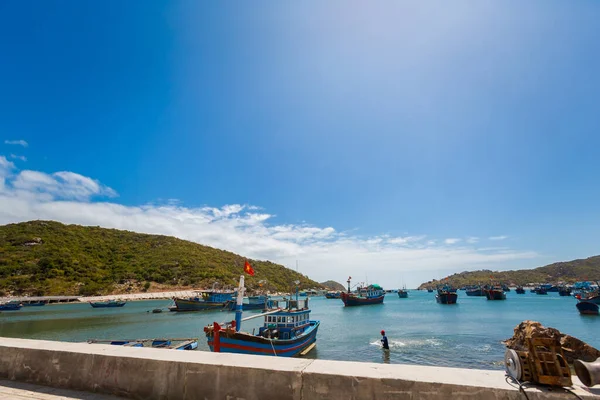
144 373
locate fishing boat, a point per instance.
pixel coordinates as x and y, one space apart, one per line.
163 343
445 295
564 291
495 293
287 331
505 288
520 290
429 290
11 306
475 291
107 304
372 294
403 293
332 295
212 300
541 290
253 303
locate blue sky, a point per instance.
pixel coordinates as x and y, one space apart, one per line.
377 122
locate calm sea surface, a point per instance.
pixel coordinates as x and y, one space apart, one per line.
419 330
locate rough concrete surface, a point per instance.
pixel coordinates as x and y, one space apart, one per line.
20 391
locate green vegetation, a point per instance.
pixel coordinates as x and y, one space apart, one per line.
50 258
333 285
587 269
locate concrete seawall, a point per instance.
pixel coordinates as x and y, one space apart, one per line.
141 373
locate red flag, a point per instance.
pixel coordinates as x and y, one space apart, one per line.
248 268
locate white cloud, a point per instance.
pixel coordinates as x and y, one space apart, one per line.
22 158
323 253
17 142
61 185
472 240
452 240
498 237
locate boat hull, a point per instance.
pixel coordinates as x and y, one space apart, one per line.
475 292
244 343
446 298
194 305
10 307
332 295
520 291
402 294
107 305
495 294
351 300
246 306
589 308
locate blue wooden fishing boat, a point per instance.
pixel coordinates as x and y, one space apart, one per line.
253 303
403 293
333 295
213 300
372 294
520 290
445 295
286 332
174 344
11 306
107 304
429 290
495 293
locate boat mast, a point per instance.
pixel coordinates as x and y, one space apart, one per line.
238 307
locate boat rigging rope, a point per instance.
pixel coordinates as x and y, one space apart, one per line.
273 347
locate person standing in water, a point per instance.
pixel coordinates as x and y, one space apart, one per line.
384 341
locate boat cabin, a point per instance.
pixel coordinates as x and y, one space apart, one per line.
371 291
287 323
216 297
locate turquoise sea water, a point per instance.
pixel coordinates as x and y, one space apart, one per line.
419 330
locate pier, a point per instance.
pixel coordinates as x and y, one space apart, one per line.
154 374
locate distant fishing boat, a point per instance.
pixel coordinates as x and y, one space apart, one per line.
429 290
445 295
505 288
541 290
213 300
286 332
107 304
333 295
495 293
372 294
475 291
520 290
11 306
253 303
564 291
403 293
174 344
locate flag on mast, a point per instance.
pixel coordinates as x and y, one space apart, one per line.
248 268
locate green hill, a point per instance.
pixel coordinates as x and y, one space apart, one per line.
333 285
587 269
50 258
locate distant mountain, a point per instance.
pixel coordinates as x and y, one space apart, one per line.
587 269
50 258
333 285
